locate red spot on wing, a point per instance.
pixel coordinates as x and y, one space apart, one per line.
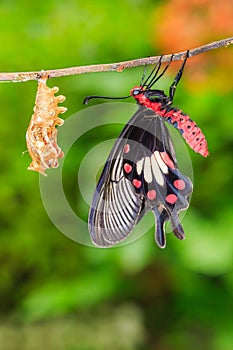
151 194
127 168
137 183
126 148
167 160
179 184
171 198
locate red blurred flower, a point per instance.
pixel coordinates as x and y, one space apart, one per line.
181 25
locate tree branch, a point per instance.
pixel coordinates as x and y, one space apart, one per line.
119 66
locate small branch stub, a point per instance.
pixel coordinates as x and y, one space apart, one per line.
41 136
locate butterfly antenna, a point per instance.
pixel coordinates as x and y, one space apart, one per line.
88 98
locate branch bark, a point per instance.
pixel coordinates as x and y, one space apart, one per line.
118 67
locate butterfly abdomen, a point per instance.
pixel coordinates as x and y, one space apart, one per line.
188 129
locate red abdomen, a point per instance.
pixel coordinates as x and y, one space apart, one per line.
189 130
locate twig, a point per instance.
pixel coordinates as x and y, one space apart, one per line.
119 66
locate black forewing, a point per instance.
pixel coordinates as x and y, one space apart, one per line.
121 197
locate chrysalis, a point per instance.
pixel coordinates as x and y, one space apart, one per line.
41 136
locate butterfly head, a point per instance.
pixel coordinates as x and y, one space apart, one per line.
143 94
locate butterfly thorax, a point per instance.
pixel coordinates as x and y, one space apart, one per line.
156 100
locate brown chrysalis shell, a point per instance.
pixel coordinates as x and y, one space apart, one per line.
41 136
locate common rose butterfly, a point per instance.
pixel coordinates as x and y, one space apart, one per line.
141 173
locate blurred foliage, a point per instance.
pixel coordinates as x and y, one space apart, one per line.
57 294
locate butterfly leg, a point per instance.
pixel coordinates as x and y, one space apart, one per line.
156 78
177 78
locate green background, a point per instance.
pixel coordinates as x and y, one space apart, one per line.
57 294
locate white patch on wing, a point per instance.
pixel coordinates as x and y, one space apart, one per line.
147 170
156 170
139 166
161 163
117 170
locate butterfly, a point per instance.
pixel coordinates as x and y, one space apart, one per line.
141 173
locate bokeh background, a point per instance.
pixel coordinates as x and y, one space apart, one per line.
57 294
